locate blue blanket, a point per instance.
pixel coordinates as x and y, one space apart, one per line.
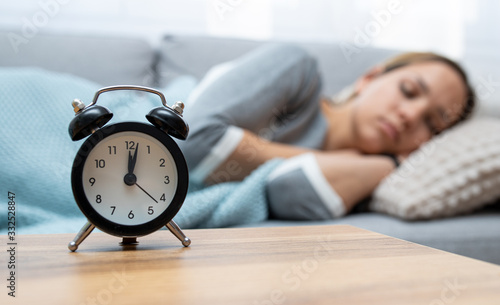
36 155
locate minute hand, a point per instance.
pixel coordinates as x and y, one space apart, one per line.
132 160
146 192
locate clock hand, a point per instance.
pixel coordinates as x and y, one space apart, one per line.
132 160
130 178
130 164
146 192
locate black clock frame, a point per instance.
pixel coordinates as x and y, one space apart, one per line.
111 227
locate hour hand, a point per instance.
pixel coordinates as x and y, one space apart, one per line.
132 160
130 178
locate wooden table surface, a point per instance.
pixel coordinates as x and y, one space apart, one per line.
285 265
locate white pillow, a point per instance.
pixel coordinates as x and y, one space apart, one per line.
454 173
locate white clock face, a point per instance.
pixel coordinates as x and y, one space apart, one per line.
129 178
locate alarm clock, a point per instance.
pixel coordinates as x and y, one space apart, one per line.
129 179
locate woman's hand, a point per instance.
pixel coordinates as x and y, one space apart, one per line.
352 175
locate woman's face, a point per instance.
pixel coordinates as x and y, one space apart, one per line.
395 112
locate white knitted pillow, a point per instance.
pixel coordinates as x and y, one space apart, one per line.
454 173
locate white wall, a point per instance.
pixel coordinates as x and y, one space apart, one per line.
453 27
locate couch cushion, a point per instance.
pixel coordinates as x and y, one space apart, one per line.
196 55
104 60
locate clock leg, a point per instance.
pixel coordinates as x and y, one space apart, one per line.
174 228
80 237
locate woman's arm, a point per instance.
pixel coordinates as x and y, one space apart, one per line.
352 175
251 152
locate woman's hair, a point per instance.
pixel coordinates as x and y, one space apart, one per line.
409 58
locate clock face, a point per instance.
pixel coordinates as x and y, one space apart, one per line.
130 179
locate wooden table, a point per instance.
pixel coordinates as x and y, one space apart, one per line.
285 265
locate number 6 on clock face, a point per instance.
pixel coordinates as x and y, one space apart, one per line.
130 178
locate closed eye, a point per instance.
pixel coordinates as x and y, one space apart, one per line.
408 90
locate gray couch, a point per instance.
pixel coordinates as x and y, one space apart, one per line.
116 60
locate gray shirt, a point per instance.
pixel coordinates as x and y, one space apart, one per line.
273 92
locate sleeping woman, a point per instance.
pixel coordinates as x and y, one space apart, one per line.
268 104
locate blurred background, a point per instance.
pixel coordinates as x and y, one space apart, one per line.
465 30
456 28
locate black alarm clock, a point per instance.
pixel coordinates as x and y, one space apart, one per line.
129 179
